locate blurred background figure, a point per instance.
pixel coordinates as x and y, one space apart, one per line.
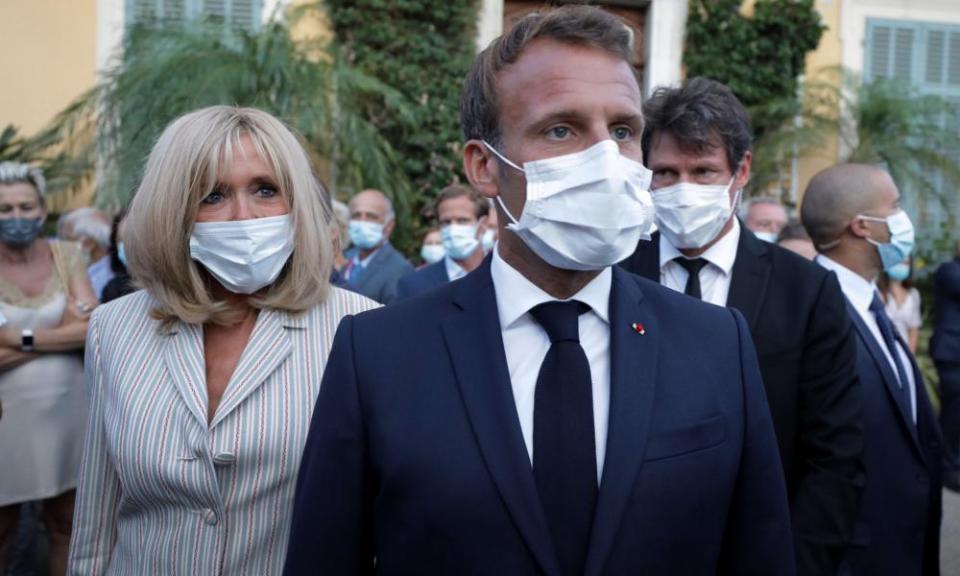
945 350
374 266
342 215
432 249
902 301
491 230
45 299
462 213
203 383
91 229
765 217
794 238
121 284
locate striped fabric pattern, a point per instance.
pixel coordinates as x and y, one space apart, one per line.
161 492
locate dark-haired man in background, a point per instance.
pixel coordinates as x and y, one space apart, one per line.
696 140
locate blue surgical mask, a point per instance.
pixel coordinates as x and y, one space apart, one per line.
432 253
900 245
899 272
365 235
19 232
459 240
121 254
770 237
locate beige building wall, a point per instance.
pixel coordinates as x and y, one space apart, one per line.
51 58
50 48
821 66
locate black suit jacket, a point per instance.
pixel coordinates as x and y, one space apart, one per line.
416 464
898 530
805 344
945 343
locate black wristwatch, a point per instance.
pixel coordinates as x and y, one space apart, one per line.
26 340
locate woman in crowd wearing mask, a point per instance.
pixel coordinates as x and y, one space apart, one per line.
202 385
902 302
121 284
432 250
45 298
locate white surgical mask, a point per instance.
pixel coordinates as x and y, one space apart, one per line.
691 215
432 253
365 235
584 211
459 240
488 240
243 255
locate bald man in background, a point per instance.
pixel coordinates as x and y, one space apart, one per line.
374 266
852 212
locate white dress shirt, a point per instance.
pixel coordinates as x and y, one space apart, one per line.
860 293
454 271
526 344
714 277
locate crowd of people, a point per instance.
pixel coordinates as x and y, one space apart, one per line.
608 361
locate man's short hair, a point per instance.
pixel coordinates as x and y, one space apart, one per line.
571 24
794 230
481 207
701 115
749 203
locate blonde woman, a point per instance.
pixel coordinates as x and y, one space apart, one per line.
45 299
202 384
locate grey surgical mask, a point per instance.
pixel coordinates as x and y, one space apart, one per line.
19 232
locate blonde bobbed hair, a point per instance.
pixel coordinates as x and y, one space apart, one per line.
182 170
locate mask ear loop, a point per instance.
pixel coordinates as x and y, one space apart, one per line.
513 220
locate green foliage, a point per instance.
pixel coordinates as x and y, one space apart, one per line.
165 72
424 49
760 58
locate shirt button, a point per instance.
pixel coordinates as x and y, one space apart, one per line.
210 517
224 459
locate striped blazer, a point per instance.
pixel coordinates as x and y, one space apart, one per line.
161 491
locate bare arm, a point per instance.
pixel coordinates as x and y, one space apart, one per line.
68 336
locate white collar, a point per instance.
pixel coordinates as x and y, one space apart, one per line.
516 295
855 287
454 270
722 254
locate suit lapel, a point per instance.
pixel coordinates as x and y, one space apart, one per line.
886 372
633 366
183 357
475 344
751 271
268 347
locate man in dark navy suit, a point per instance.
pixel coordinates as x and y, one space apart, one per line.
462 213
853 215
945 350
549 413
696 140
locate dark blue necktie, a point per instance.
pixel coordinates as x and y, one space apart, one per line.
890 341
564 450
